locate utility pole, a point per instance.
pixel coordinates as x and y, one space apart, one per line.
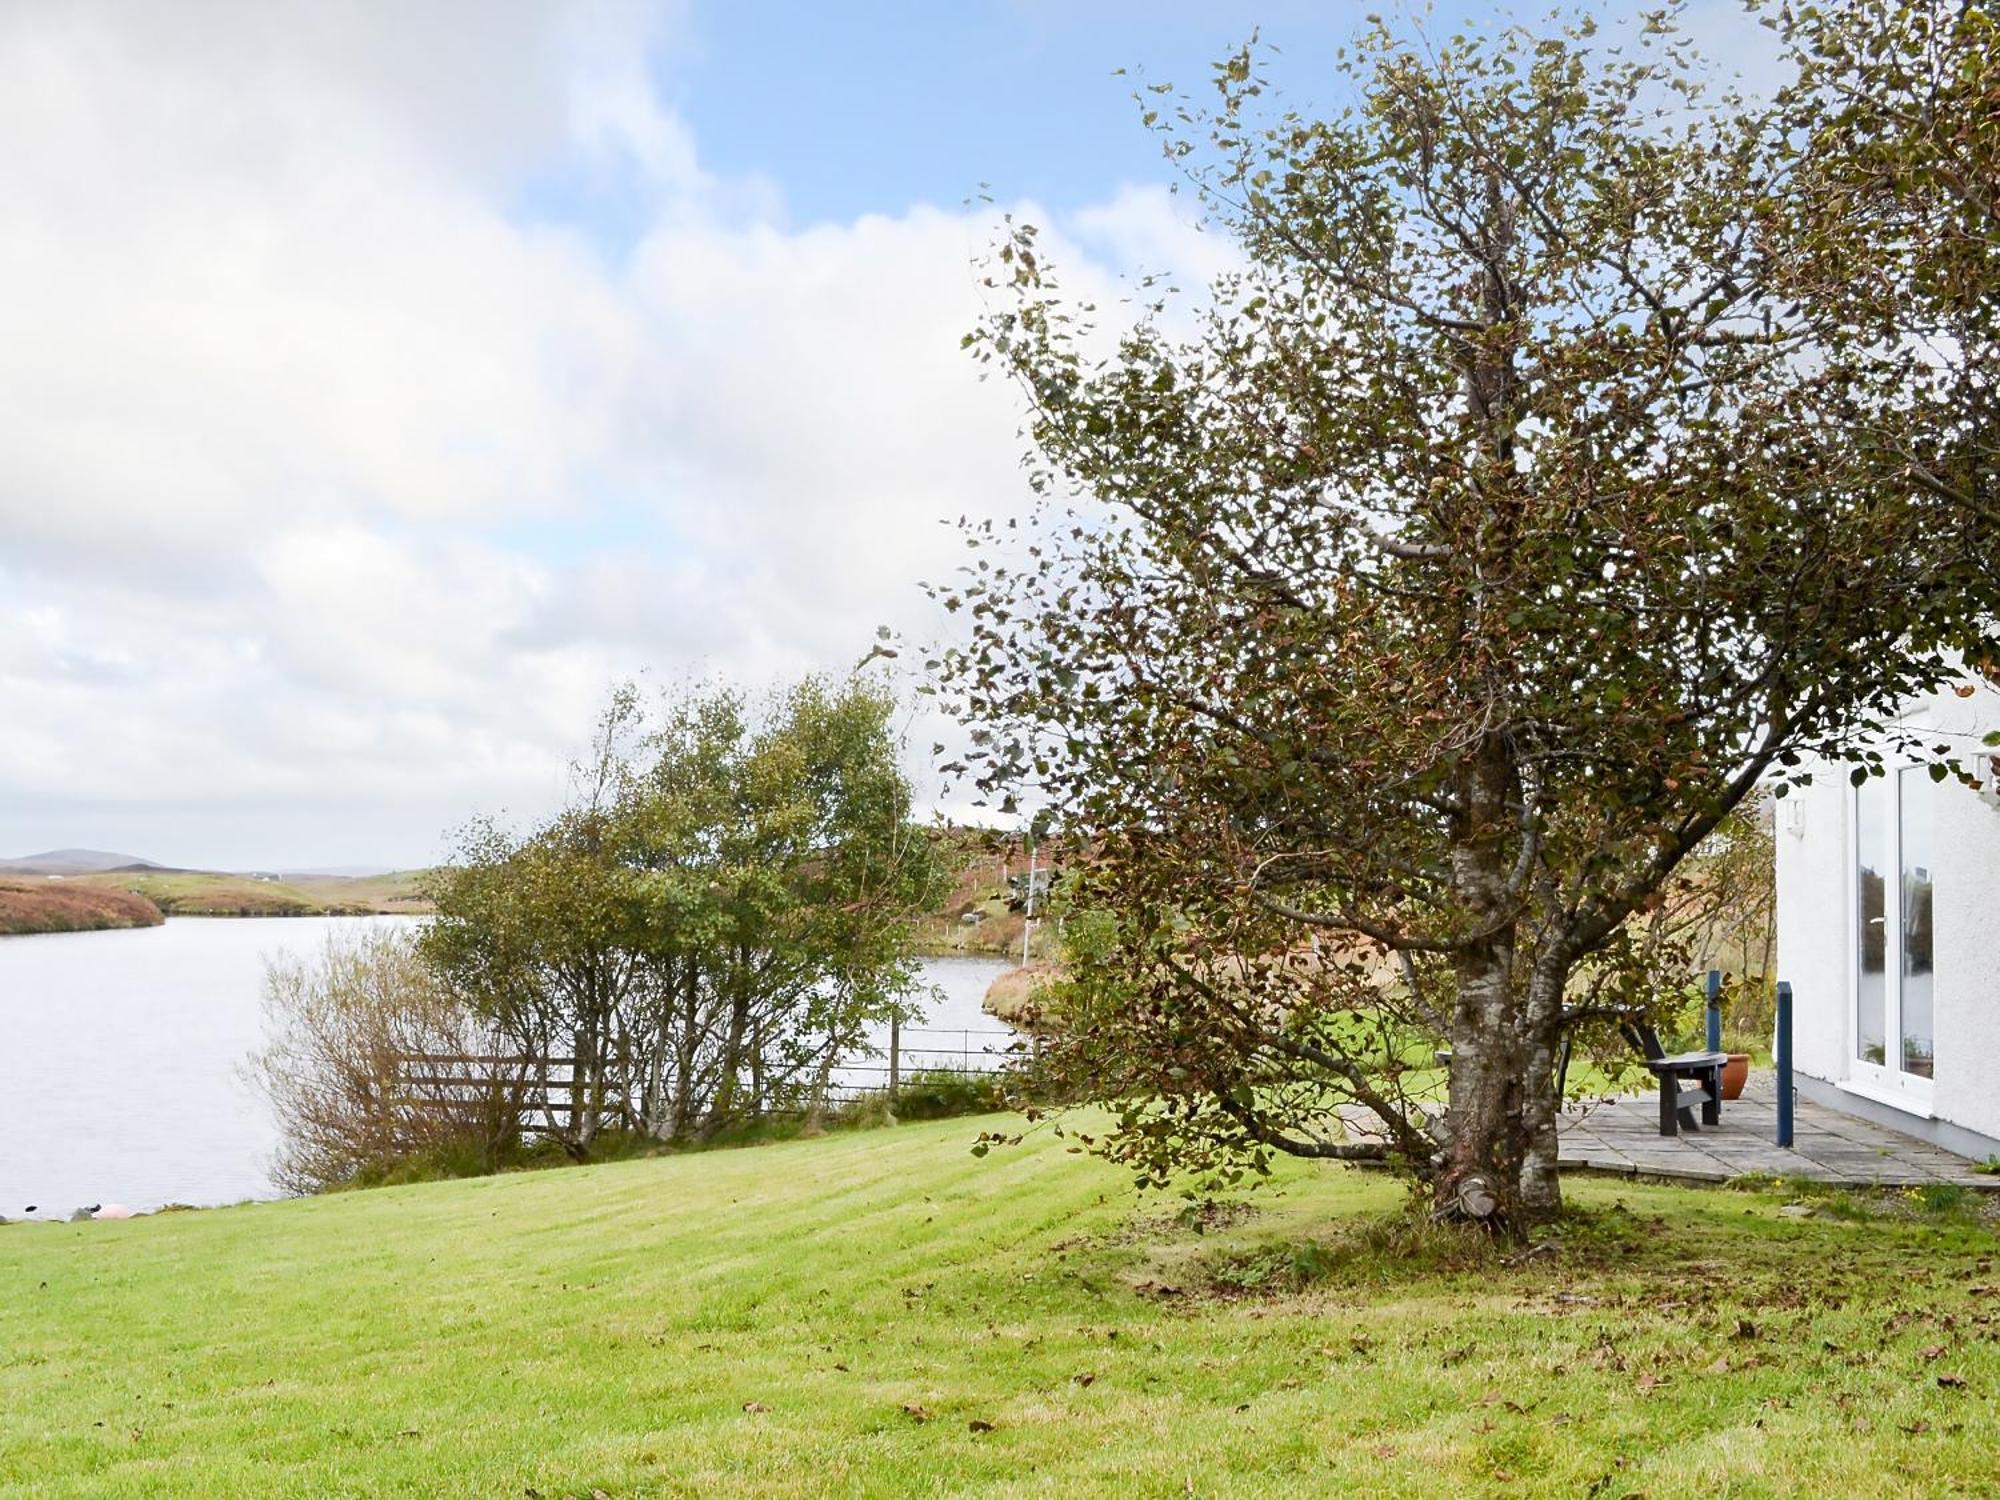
1028 922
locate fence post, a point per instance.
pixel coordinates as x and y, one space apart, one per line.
1784 1061
895 1052
1715 1010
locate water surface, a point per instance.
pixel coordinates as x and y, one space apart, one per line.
120 1056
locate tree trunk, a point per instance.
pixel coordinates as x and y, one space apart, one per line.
583 1088
1482 1158
732 1053
1541 1186
686 1053
822 1081
1487 1144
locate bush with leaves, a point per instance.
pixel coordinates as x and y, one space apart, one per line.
343 1029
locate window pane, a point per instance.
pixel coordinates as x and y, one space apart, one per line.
1918 982
1871 823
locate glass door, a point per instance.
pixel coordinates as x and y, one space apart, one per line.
1895 982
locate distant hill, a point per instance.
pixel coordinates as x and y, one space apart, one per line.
75 862
177 891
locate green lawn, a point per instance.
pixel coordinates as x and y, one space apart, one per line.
845 1316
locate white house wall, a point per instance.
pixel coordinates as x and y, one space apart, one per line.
1815 935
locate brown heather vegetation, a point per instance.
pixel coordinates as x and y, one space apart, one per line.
61 906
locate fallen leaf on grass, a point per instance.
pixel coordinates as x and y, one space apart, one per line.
1651 1383
755 1406
1918 1428
1720 1367
1931 1351
1384 1450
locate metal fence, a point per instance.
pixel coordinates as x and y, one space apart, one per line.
542 1089
914 1050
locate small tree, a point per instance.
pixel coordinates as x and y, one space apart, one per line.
711 926
341 1030
1396 623
551 937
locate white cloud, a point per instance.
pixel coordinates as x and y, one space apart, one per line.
338 484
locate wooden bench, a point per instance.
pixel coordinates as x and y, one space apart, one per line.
1677 1105
1701 1069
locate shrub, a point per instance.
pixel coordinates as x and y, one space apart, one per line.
942 1093
341 1031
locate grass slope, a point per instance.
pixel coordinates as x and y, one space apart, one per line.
70 906
836 1316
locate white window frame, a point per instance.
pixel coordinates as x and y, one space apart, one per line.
1884 1083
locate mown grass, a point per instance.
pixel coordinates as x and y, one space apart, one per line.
880 1313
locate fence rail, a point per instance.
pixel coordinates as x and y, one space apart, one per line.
545 1090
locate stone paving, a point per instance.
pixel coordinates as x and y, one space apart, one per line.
1623 1135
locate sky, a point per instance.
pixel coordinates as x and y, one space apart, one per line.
381 383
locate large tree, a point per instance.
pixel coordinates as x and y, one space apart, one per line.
1398 616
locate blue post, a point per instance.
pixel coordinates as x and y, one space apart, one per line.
1715 1010
1784 1061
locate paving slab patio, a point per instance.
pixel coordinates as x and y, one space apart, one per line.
1623 1135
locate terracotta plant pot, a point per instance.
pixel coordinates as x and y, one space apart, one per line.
1735 1073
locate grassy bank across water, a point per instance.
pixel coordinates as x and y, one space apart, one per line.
31 906
198 893
881 1313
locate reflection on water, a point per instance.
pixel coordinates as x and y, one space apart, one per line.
119 1057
